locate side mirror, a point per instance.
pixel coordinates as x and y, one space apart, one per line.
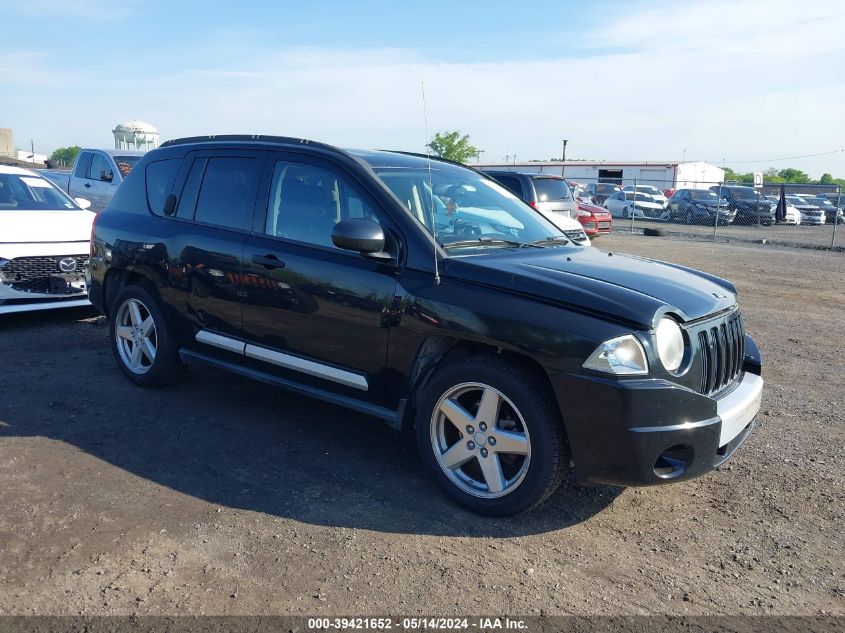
107 175
363 236
82 203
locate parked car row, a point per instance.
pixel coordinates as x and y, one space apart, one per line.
739 205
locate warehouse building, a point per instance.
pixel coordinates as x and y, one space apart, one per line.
661 174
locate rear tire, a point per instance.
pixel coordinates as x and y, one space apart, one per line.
690 217
142 340
490 434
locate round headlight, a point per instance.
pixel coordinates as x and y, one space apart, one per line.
670 343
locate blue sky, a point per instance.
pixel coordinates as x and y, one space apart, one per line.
726 81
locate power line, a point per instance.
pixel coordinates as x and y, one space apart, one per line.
771 160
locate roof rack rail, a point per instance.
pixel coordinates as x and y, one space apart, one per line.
261 138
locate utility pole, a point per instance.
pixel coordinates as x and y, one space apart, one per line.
507 158
563 158
478 154
684 159
514 159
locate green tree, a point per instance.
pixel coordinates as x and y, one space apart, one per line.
794 175
826 179
771 175
453 146
735 176
66 155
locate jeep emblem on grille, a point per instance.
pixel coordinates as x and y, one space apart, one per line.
67 264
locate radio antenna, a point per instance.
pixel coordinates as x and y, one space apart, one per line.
430 189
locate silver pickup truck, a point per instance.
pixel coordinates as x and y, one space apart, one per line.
96 175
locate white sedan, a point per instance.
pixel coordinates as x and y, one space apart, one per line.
793 215
44 244
650 190
627 204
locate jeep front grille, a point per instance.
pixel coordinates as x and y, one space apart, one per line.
722 346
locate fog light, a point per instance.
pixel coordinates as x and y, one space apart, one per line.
673 462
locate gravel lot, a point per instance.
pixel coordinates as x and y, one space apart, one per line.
222 496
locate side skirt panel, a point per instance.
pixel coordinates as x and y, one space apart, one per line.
389 416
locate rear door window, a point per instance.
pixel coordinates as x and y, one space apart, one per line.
227 191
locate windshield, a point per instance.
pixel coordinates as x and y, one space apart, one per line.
125 164
552 189
467 210
744 192
704 196
645 189
20 192
629 195
606 188
797 200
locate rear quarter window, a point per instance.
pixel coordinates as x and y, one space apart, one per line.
160 176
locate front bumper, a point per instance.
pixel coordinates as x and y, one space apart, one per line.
25 277
643 432
596 224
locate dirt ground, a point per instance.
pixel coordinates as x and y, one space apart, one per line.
222 496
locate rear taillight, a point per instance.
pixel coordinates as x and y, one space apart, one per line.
533 204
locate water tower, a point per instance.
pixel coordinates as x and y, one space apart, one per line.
135 135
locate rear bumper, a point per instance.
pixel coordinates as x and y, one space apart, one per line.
652 432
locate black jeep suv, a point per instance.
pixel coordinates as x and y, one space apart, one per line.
425 294
748 204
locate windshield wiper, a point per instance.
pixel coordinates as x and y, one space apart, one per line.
551 240
484 241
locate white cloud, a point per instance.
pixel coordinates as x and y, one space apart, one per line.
738 81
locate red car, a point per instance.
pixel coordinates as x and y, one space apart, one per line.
595 220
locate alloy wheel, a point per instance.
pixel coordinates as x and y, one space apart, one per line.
480 440
135 336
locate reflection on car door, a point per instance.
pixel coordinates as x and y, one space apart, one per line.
205 240
312 310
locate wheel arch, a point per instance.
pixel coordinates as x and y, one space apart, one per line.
437 351
116 279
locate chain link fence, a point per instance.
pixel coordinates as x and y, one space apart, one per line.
813 215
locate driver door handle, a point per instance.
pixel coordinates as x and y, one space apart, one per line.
268 261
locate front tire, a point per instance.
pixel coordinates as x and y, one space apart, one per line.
490 434
142 341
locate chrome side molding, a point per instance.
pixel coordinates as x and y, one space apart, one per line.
287 361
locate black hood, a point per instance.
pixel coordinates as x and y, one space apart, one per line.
629 288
